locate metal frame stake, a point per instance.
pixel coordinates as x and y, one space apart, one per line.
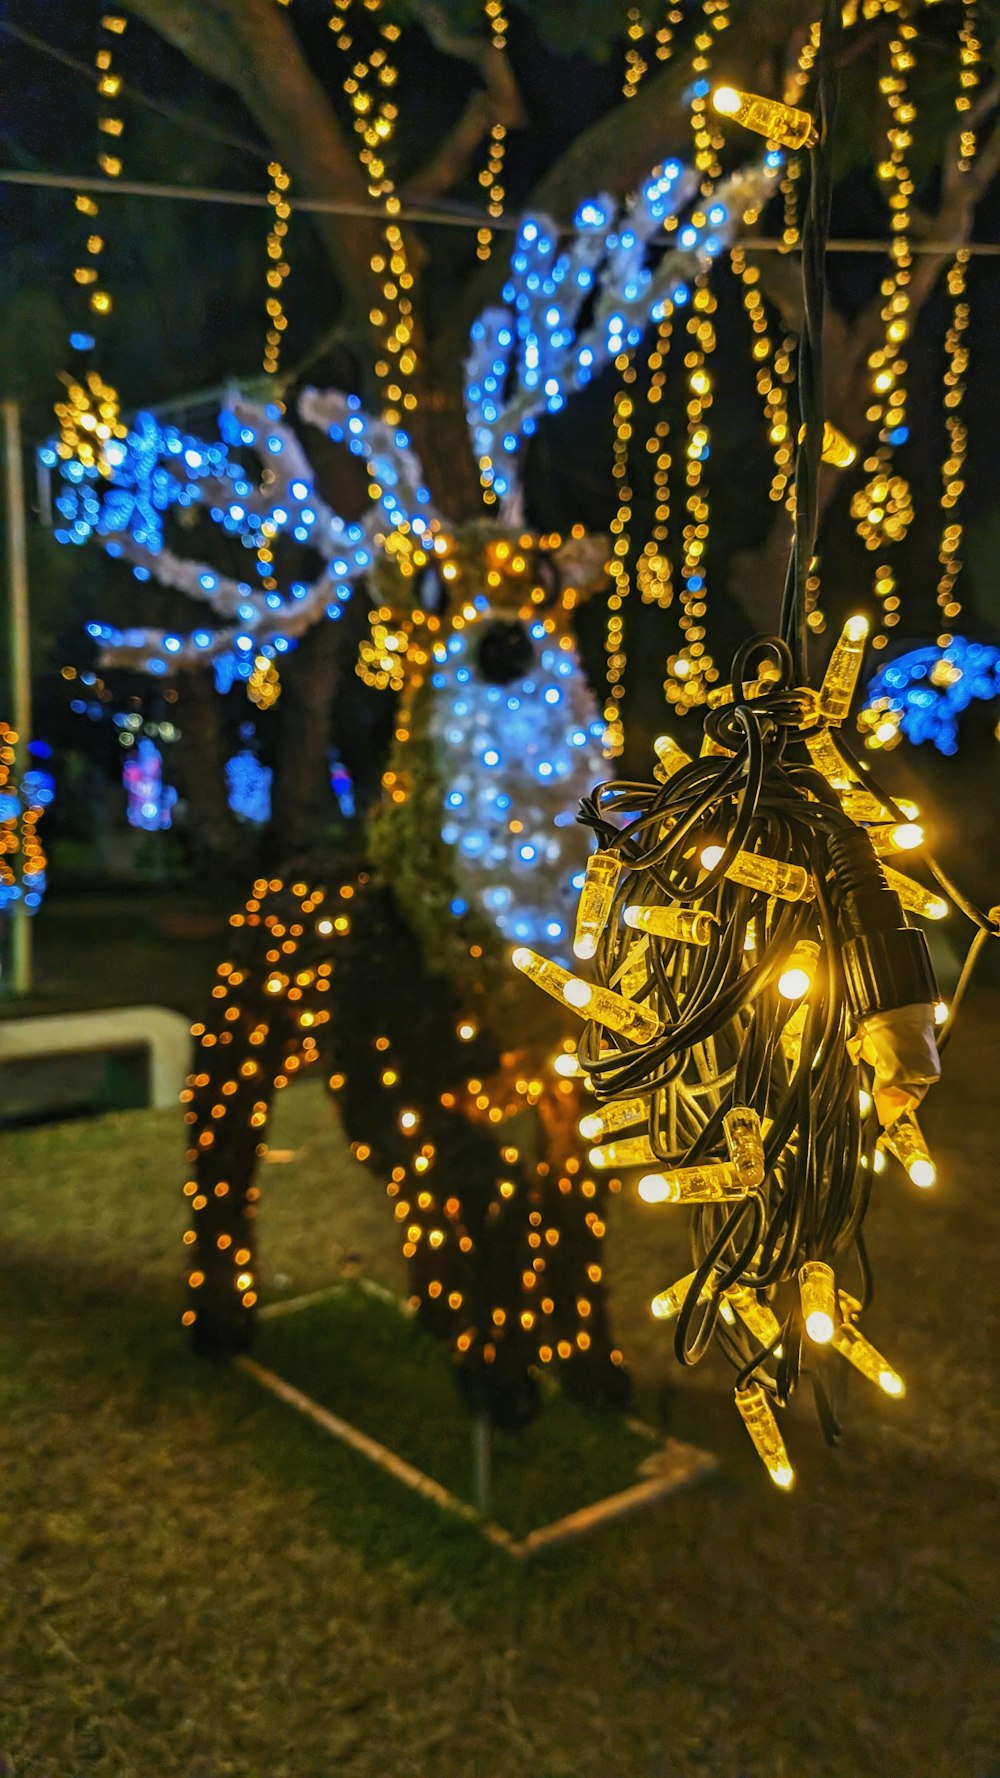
482 1462
18 618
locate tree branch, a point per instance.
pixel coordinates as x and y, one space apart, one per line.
497 101
450 160
251 46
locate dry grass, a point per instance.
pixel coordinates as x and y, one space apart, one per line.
197 1584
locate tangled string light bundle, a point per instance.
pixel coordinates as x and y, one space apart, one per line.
760 1026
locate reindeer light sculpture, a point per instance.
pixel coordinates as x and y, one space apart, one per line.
396 983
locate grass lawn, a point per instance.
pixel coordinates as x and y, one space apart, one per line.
196 1583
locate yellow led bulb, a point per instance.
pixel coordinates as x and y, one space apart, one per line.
710 749
818 1296
587 1000
828 759
755 1412
799 972
567 1065
858 1351
784 124
789 882
905 1139
670 757
743 1140
632 975
667 1305
617 1114
837 449
792 1034
841 676
765 682
715 1182
762 1322
596 898
914 897
902 836
688 925
628 1151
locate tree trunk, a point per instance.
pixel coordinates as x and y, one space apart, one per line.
214 837
301 780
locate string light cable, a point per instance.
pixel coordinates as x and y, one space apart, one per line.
89 414
369 86
758 1004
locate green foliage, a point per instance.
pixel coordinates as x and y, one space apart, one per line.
32 335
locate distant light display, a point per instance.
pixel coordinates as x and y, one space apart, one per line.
342 786
149 802
248 787
22 860
922 694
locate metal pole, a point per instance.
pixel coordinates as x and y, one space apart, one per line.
20 657
482 1463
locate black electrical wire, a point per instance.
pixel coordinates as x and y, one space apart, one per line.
815 232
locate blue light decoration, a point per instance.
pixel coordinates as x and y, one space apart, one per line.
342 786
158 467
571 311
148 801
515 760
22 858
922 694
248 788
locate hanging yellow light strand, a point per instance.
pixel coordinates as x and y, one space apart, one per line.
264 683
491 177
691 670
278 268
375 123
618 568
665 33
653 572
771 368
90 414
635 62
957 353
795 85
883 508
705 131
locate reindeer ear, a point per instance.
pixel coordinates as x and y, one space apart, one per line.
431 593
545 573
583 564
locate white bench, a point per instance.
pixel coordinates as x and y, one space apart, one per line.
163 1033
